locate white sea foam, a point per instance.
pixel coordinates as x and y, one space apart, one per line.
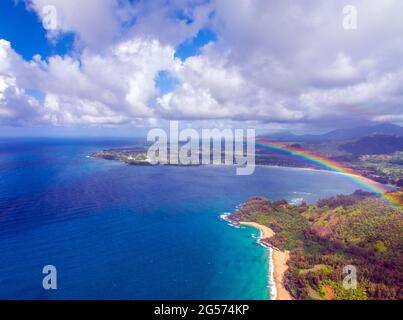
239 206
272 283
304 193
259 242
225 216
297 201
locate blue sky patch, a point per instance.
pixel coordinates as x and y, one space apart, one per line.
24 30
165 82
183 16
192 47
38 95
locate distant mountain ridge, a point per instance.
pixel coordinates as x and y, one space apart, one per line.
353 133
375 144
343 134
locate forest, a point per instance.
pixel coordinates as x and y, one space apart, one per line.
360 230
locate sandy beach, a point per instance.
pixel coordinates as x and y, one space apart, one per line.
280 259
265 232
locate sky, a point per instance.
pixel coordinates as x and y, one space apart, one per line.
121 67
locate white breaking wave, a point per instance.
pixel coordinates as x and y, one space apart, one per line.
272 283
297 201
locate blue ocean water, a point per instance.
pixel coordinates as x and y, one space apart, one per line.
124 232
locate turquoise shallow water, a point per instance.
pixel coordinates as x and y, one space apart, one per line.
120 232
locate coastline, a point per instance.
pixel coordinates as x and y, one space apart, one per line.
346 174
265 232
280 259
278 263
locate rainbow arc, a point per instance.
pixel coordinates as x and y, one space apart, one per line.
330 165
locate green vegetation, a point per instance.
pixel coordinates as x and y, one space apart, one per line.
359 230
337 291
388 166
377 157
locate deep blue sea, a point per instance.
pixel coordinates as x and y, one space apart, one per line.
124 232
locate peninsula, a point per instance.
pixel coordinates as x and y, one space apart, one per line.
312 244
376 157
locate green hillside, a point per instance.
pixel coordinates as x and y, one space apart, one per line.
359 230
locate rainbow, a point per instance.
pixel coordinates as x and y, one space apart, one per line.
330 165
